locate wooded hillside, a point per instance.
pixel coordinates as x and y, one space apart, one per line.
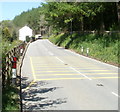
71 16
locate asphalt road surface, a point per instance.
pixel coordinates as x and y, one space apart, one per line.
54 78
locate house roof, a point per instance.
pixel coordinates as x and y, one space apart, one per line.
25 28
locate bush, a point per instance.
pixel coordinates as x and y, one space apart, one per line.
27 39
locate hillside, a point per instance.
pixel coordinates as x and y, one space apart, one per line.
104 48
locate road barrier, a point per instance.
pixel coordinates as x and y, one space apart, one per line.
10 64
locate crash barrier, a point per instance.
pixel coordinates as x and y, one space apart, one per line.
9 71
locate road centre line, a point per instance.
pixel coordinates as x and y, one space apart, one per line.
80 73
115 94
75 69
59 59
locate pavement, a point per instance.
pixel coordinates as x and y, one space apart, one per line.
54 78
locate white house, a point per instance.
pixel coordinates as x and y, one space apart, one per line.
23 32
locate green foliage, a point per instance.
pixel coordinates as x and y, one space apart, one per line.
30 18
82 16
70 16
10 93
10 99
6 33
27 38
14 35
9 31
104 48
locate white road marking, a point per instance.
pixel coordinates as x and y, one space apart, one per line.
59 59
51 53
51 43
80 73
73 52
115 94
74 69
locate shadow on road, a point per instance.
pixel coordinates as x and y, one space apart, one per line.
37 96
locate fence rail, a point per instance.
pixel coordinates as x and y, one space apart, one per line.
8 61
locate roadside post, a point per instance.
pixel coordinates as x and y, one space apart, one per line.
82 50
21 50
14 65
87 51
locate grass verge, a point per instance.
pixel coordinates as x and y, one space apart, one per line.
101 47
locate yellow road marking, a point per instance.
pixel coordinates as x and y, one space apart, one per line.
60 74
54 74
64 67
32 68
33 73
77 78
102 73
73 72
98 70
104 77
53 71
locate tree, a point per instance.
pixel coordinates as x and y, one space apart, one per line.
6 33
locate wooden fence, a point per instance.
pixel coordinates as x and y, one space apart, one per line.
7 63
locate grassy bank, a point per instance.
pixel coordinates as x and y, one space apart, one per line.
104 48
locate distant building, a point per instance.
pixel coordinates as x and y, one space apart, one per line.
23 32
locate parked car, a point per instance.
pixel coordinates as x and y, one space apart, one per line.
38 36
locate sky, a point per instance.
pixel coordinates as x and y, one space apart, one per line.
8 10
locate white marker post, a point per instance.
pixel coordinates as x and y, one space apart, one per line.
82 50
13 76
21 51
14 65
87 51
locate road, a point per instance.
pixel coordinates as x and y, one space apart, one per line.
54 78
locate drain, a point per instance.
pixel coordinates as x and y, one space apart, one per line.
66 64
99 84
